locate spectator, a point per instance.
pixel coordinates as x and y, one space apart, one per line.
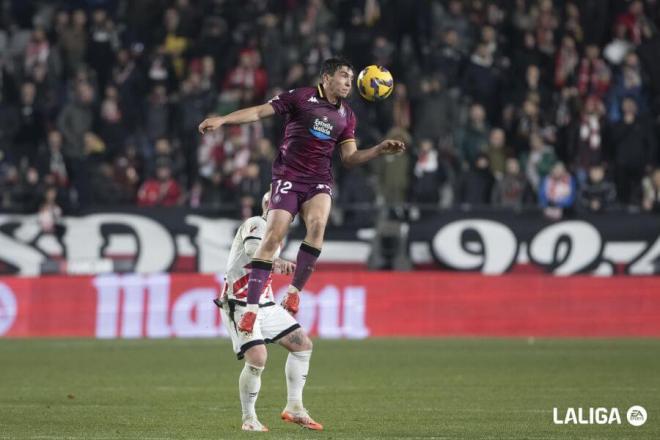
586 142
651 186
158 114
636 23
318 52
75 120
634 148
401 107
539 161
566 63
434 112
357 205
497 151
51 161
557 192
103 44
427 174
392 172
194 104
104 188
476 185
162 190
50 213
72 39
512 189
593 73
30 132
481 81
111 125
250 190
627 82
620 45
216 192
448 59
597 194
37 50
472 140
245 84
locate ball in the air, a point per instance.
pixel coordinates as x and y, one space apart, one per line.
375 83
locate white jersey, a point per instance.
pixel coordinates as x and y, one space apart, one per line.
238 265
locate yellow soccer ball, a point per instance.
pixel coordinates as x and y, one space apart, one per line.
375 83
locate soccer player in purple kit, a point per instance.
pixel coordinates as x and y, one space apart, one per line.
317 120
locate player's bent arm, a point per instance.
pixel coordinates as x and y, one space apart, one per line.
242 116
351 156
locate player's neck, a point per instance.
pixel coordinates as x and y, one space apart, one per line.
331 97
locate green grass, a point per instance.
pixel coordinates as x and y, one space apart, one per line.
449 389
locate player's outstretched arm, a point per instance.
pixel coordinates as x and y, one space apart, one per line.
351 156
250 114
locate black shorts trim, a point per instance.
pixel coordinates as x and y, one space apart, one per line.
245 347
251 237
283 333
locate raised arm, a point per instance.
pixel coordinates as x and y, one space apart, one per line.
351 156
250 114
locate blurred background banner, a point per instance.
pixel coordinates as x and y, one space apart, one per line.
151 240
337 305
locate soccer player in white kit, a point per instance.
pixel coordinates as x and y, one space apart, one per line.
273 324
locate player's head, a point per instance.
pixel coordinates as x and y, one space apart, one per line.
337 76
265 201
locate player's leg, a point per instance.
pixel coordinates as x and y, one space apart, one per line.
296 370
277 226
251 348
315 213
249 384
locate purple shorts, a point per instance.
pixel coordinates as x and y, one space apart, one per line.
290 196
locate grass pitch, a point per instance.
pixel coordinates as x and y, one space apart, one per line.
373 389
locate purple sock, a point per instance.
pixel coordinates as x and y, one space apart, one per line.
258 276
305 261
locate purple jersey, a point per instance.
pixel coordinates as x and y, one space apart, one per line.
313 127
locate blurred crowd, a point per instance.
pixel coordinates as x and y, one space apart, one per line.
509 103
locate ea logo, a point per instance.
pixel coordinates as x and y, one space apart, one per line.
636 415
7 308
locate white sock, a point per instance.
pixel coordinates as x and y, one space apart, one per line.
297 366
249 383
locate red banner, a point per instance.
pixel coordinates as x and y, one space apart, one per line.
338 305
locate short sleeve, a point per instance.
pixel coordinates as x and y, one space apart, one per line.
349 131
285 102
254 228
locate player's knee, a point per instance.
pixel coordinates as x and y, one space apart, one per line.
307 344
316 226
257 356
272 240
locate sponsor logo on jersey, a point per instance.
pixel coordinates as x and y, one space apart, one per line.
321 128
313 99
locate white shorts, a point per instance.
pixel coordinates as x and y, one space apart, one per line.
273 323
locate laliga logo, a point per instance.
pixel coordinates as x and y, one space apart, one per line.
636 416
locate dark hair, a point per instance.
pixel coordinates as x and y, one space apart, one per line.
331 65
